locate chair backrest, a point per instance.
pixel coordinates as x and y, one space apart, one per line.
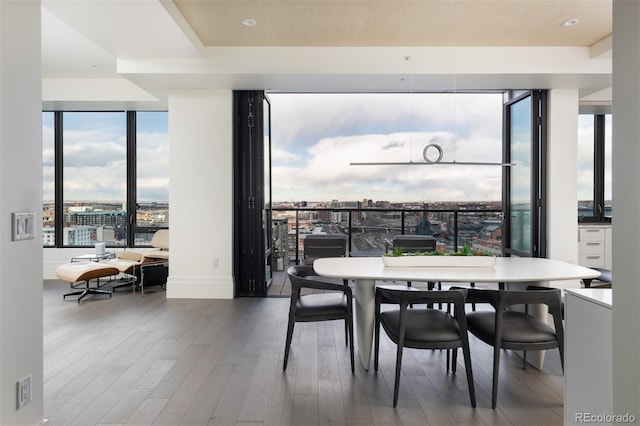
404 298
501 299
299 276
324 245
413 243
161 239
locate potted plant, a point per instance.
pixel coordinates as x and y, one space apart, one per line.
279 255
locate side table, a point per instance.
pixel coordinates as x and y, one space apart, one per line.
94 257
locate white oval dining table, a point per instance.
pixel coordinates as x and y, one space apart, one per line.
365 271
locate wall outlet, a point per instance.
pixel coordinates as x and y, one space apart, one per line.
214 263
24 391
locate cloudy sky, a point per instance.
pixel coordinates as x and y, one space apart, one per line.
95 156
315 137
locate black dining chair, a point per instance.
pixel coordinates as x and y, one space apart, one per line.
422 328
334 303
417 243
506 328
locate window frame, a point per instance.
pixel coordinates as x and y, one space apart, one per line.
599 164
131 182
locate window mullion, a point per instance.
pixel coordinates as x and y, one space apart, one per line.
58 224
131 177
598 169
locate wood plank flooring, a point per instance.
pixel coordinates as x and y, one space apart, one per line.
133 360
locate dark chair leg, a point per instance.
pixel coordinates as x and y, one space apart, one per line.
396 385
346 332
473 305
466 354
351 349
454 360
376 344
288 343
496 368
346 337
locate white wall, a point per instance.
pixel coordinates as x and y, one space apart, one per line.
626 207
200 194
21 179
562 181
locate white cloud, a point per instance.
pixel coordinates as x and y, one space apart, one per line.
325 133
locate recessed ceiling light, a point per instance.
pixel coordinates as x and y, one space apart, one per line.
570 22
96 66
249 22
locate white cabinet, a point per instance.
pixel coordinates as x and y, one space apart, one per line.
588 360
594 246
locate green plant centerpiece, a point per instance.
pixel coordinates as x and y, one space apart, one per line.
465 257
464 251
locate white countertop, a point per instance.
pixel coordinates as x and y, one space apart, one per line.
601 296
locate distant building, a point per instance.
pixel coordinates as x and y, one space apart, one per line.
101 218
78 236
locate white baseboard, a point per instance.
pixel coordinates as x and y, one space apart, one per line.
200 288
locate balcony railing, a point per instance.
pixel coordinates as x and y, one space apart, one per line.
370 231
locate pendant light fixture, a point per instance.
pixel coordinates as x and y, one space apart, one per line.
432 152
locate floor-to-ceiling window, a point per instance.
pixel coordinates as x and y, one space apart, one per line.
152 174
93 164
357 163
94 158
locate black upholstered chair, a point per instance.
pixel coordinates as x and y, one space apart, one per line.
334 303
423 328
417 243
318 246
505 328
414 243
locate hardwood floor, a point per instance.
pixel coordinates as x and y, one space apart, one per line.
151 361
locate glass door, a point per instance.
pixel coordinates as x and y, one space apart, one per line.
524 183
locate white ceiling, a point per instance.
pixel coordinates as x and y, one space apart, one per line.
115 53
